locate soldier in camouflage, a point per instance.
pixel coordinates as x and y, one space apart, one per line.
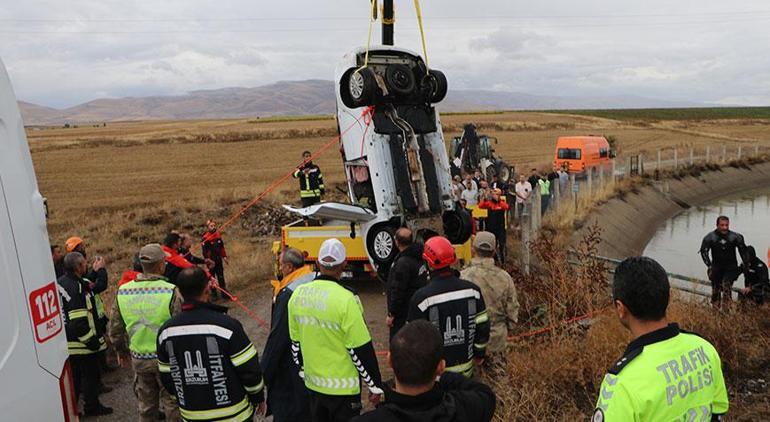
497 289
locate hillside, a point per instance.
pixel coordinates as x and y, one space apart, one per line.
310 97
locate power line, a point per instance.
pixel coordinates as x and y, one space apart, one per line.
358 18
355 30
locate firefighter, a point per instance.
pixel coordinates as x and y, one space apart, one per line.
331 344
206 360
665 373
455 306
85 339
722 266
141 307
287 397
311 181
214 252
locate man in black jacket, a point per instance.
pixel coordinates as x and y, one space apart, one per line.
722 266
455 306
407 274
416 358
206 360
757 283
287 397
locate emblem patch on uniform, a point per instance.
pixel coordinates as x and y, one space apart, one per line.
598 416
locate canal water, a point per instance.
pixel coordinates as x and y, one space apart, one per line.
677 241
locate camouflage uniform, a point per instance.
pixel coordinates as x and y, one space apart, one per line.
147 385
500 296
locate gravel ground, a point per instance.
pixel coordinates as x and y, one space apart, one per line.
257 298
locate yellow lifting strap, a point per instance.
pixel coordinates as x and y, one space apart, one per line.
422 33
372 17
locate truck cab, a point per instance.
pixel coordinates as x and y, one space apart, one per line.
35 375
393 154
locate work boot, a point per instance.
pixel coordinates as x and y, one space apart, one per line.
99 410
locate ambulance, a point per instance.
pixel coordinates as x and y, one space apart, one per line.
35 375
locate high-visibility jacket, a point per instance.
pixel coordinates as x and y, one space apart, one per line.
207 362
144 305
330 340
84 337
545 187
311 185
664 375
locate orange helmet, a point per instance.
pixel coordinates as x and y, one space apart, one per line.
72 243
439 253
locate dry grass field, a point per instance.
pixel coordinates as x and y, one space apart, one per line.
129 183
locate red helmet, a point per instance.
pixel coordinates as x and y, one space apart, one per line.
439 252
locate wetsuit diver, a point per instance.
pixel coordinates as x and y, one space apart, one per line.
722 265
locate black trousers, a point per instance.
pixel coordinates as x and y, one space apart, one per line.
219 271
87 379
325 408
722 280
306 202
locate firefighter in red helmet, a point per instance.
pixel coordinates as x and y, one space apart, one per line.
455 306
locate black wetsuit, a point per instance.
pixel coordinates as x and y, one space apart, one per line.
723 263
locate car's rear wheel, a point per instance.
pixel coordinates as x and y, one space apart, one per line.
458 226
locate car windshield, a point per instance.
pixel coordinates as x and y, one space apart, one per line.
568 154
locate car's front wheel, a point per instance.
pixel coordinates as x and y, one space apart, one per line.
381 243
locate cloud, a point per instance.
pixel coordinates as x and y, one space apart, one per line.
63 53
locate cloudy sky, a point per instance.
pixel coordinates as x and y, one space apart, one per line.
61 53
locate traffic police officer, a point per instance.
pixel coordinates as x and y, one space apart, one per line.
665 373
331 344
141 307
311 181
206 360
85 337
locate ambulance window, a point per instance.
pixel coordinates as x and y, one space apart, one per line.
568 154
603 152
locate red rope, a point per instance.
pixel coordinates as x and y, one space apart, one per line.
367 116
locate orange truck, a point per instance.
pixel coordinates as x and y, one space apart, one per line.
582 154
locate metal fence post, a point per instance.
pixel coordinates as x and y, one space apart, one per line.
601 178
555 193
756 150
739 152
641 164
692 155
676 158
590 182
657 166
724 153
708 154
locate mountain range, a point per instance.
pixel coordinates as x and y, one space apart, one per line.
310 97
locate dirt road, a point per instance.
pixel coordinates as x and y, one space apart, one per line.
258 298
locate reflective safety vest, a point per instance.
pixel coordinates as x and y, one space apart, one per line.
326 319
545 186
145 305
666 375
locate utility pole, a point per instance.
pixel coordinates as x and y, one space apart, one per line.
388 22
